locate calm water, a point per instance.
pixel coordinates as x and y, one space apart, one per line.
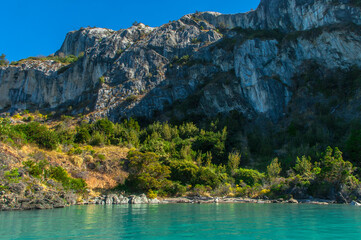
185 221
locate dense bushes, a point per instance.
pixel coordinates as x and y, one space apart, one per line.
171 160
43 170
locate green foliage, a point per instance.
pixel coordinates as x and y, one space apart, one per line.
82 135
170 159
65 60
207 176
13 175
188 130
181 61
213 142
131 98
8 133
234 159
36 169
40 134
353 146
304 167
102 80
104 126
146 172
274 169
334 169
185 172
3 60
97 139
249 176
61 175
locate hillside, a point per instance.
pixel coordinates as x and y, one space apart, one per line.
280 82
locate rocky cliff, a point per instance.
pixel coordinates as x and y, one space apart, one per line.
204 63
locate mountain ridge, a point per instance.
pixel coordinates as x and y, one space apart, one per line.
141 70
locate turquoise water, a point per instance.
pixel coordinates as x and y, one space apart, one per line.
185 221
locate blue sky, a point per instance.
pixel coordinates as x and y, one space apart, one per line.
38 27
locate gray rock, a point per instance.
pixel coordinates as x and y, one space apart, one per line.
354 203
18 188
292 201
154 201
142 199
109 200
140 76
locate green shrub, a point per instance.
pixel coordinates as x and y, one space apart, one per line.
97 139
146 172
13 175
131 98
61 175
274 168
103 126
38 169
184 171
207 176
213 142
82 135
249 176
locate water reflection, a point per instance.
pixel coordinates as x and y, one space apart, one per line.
193 221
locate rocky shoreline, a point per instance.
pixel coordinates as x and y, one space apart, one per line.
49 201
142 199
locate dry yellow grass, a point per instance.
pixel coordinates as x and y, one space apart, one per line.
76 165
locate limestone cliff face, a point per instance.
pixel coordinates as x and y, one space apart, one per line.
204 63
290 15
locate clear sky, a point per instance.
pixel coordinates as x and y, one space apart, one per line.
38 27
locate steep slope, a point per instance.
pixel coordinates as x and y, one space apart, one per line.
204 63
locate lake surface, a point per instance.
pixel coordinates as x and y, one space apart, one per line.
185 221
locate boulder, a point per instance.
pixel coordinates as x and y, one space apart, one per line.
292 201
154 201
142 199
354 203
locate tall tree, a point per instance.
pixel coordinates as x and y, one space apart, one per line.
3 60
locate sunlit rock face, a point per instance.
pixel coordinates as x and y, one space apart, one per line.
213 63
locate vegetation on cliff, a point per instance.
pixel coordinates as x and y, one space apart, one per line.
174 160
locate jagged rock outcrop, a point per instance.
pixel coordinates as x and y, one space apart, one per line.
205 63
79 41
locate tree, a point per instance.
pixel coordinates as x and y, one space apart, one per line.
146 172
274 169
304 167
353 146
3 60
234 159
334 169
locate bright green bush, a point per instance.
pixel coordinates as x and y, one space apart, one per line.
146 172
184 172
82 135
36 169
40 134
249 176
13 175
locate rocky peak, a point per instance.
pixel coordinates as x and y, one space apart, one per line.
79 41
203 63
